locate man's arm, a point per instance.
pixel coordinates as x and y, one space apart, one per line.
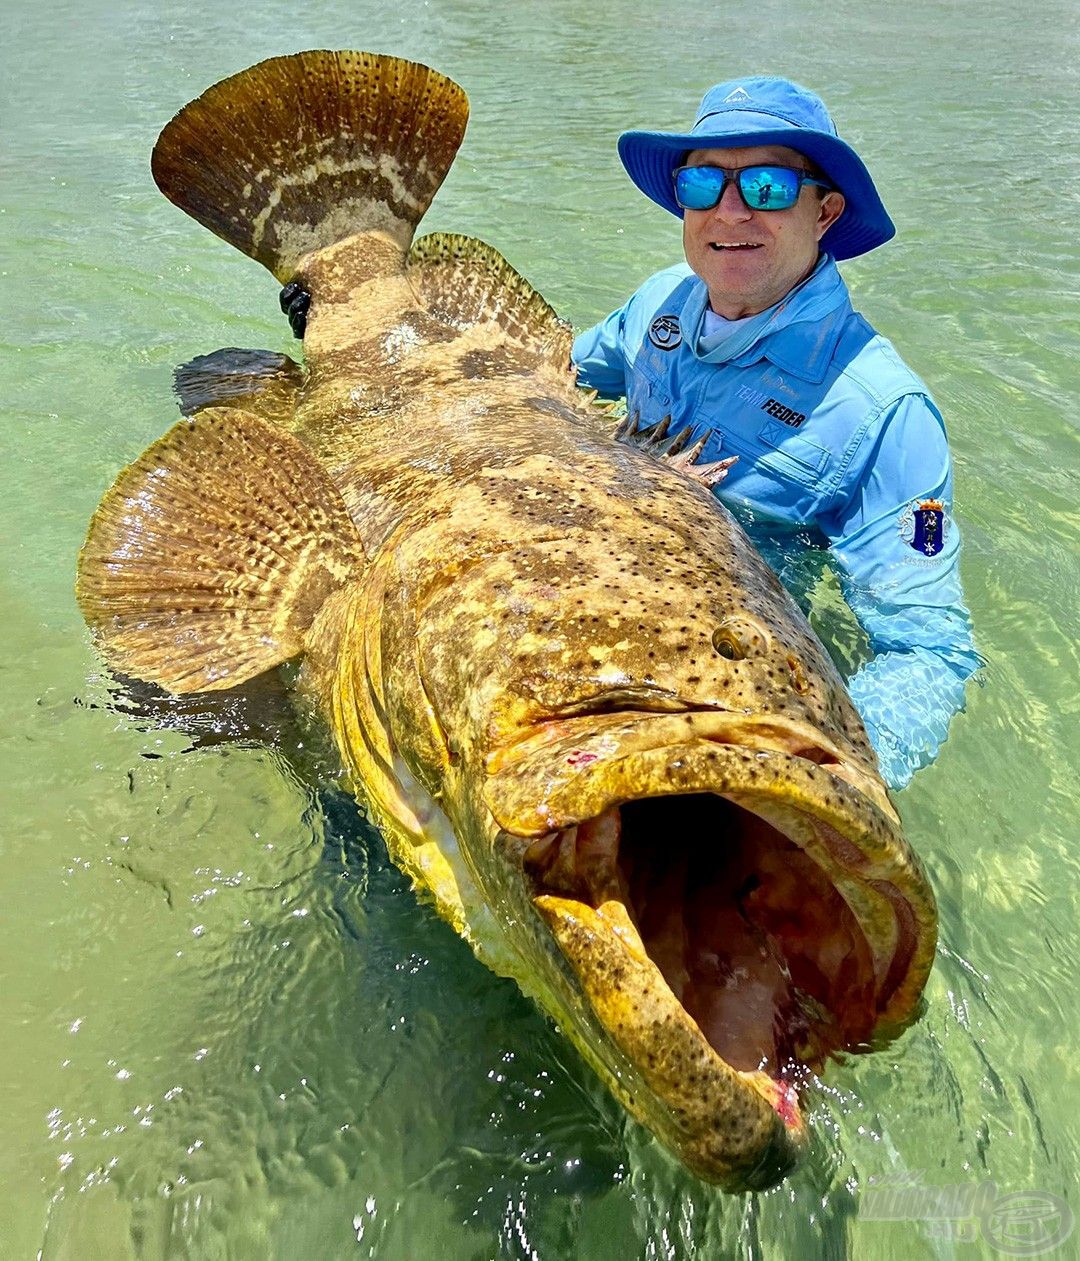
599 358
897 545
600 361
603 354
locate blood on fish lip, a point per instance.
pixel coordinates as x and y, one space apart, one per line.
787 1104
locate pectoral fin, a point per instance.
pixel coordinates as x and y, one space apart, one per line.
258 381
209 557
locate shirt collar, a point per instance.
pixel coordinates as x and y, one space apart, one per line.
798 334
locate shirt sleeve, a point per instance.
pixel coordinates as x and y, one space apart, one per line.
897 545
604 354
599 356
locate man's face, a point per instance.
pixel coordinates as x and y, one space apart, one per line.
749 259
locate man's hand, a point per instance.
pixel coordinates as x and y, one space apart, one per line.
670 450
295 300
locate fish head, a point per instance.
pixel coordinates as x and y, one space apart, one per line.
677 813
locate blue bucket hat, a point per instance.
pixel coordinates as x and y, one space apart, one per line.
762 110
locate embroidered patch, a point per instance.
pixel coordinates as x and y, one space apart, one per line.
665 332
924 525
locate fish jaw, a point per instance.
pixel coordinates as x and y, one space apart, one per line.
715 919
744 1131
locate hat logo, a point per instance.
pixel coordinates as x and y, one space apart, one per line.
736 97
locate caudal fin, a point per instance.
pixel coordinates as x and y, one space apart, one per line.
299 152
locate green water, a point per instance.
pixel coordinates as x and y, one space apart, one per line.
228 1028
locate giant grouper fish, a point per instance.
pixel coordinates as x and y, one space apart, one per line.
591 724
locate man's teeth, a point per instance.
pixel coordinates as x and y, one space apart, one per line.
734 245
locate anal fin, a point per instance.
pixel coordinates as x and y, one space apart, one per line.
208 559
258 381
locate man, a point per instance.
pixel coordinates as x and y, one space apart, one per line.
806 420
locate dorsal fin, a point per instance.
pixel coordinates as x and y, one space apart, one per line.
208 559
299 152
258 381
466 282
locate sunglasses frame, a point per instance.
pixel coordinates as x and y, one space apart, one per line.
731 176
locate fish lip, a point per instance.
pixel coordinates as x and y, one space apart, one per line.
837 811
740 1130
587 739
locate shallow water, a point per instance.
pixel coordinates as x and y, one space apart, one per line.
229 1028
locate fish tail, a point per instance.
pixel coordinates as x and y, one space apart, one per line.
299 152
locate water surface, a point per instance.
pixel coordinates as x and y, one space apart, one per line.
229 1028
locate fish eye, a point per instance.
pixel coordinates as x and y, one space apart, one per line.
724 645
737 638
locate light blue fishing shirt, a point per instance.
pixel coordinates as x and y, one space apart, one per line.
841 446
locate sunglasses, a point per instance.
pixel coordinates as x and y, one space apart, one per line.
760 187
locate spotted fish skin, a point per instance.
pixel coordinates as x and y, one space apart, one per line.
521 631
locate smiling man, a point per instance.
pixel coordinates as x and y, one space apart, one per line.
804 420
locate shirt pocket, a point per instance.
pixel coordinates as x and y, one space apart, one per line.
791 455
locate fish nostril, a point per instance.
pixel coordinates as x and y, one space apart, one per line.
799 681
737 638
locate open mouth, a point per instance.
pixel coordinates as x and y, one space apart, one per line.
751 937
734 899
734 245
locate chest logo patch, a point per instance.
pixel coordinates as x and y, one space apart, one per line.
924 525
665 333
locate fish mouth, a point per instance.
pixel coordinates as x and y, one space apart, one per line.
734 906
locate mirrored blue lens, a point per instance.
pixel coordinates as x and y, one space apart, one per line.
761 187
769 187
698 187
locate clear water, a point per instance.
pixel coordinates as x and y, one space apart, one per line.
228 1028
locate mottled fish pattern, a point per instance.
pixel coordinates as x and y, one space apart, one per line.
593 727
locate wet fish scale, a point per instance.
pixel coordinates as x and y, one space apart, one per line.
592 597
